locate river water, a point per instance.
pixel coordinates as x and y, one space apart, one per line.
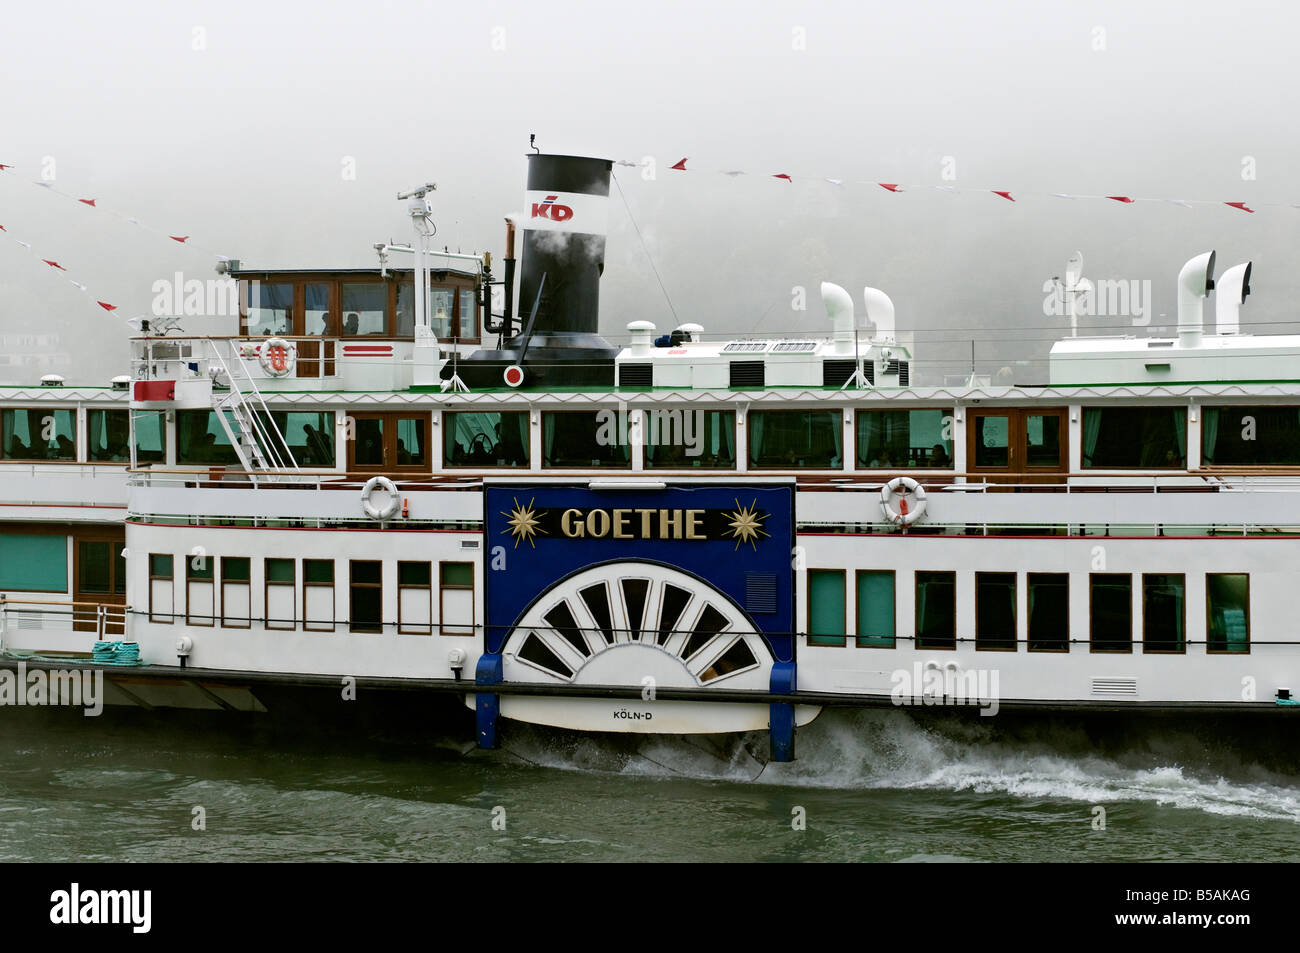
867 786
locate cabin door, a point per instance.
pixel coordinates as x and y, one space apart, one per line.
100 573
1025 447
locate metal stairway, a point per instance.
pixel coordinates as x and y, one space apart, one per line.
257 441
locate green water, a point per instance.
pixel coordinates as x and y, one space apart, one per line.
870 786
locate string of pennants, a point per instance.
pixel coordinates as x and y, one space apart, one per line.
1006 194
55 264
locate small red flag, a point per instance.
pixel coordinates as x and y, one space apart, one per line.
3 229
1240 205
681 166
106 306
53 264
181 238
3 167
1120 198
1005 195
889 185
90 202
782 175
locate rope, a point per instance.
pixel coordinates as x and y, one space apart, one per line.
649 257
116 653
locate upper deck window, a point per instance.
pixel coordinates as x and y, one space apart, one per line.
889 439
38 433
1135 437
1250 436
365 307
796 439
582 439
485 439
108 436
681 438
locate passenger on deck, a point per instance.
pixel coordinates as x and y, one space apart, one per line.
352 324
939 456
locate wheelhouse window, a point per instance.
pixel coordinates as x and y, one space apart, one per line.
442 306
1250 436
365 308
200 438
492 439
1110 600
574 439
42 433
1049 611
890 439
467 314
936 610
1146 438
309 435
795 439
236 592
270 308
826 616
1227 612
389 442
317 315
367 610
682 438
318 595
150 436
995 611
876 612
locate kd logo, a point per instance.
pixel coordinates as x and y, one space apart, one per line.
279 358
552 212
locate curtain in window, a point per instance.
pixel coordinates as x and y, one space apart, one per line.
726 423
1180 432
837 432
1209 433
548 439
1091 430
755 437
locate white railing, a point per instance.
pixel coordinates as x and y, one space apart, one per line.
98 620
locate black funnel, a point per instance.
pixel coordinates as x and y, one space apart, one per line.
564 221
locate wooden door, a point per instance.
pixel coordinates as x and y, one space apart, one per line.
100 573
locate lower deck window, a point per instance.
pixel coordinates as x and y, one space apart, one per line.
1227 612
318 595
936 610
1049 611
456 598
281 594
876 610
161 591
995 610
367 609
200 591
1163 612
826 607
1111 605
414 598
236 592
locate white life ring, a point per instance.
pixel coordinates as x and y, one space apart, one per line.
389 509
904 515
277 356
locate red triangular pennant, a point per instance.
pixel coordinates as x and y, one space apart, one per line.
889 185
90 202
1240 205
181 238
1120 198
1005 195
782 175
681 166
3 167
53 264
106 306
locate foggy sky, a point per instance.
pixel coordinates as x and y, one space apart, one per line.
241 144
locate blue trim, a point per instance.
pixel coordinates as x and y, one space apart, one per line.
781 714
487 705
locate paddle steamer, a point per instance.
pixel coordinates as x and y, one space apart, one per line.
366 490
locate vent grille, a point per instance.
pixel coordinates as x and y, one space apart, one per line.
748 374
635 375
904 373
1115 687
469 544
836 373
749 347
760 592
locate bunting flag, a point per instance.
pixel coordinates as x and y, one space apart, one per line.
1011 195
53 264
106 306
183 239
90 202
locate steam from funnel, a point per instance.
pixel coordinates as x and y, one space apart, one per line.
1195 281
1230 295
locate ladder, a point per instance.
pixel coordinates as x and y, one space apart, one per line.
261 448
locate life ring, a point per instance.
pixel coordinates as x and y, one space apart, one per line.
277 356
389 509
904 515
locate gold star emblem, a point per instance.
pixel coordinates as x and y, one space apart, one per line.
524 523
747 524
